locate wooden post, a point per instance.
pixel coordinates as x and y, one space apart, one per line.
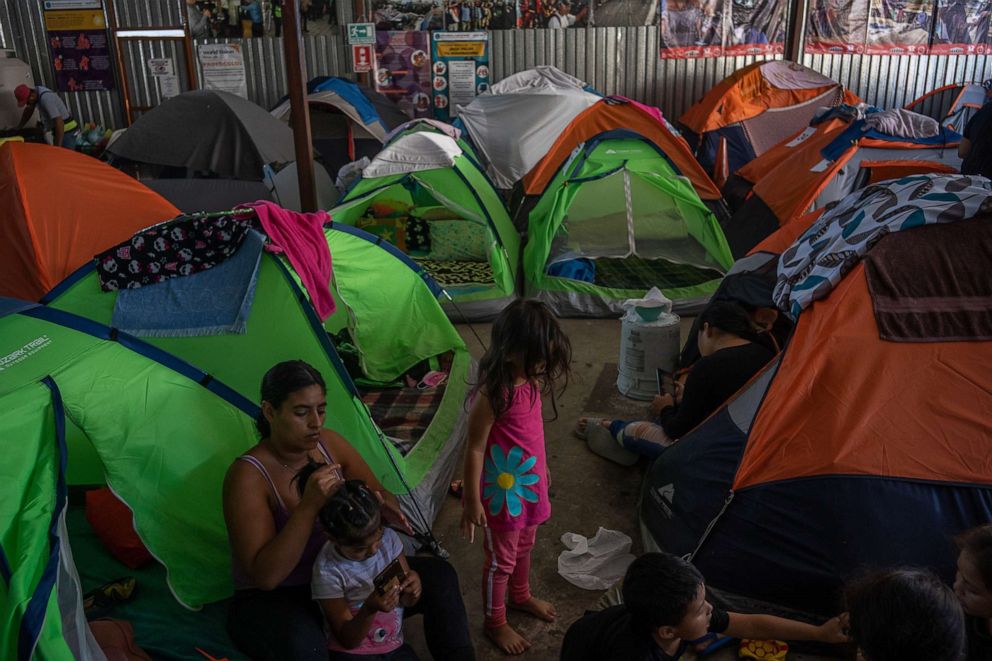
292 39
795 33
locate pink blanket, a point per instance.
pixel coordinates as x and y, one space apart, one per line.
300 236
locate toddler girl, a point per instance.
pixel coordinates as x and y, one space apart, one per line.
506 476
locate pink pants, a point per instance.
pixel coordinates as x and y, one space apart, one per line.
507 561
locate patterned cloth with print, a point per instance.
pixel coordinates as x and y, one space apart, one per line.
819 259
179 247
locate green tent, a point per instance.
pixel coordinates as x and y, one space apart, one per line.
427 180
614 221
161 418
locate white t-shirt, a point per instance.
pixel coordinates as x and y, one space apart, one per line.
558 21
338 577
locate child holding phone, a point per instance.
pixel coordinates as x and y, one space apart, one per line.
364 622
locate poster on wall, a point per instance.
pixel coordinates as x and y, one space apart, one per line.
403 70
79 49
691 28
899 27
837 26
961 27
460 67
223 68
616 13
756 27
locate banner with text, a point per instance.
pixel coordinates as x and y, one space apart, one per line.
899 27
461 70
223 68
837 26
961 27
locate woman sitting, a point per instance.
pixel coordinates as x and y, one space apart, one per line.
275 535
731 354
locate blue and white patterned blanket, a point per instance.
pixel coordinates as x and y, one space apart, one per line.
837 241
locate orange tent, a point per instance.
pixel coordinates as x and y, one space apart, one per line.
755 108
610 116
59 208
821 165
855 447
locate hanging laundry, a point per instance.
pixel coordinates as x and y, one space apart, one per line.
179 247
300 236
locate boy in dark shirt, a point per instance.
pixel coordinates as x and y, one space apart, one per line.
665 610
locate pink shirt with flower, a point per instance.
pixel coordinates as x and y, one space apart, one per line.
514 484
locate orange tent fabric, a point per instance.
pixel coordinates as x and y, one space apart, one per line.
745 94
59 208
611 116
945 381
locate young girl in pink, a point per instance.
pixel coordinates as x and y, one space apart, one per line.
506 474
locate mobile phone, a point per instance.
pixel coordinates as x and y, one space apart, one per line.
393 574
666 384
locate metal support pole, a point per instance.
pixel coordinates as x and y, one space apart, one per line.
292 39
795 33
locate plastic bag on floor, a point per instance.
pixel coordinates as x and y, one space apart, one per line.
597 563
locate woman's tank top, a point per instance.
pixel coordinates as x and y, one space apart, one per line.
301 573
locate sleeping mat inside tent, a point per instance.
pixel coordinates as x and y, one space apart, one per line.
163 628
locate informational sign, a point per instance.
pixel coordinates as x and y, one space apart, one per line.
460 67
168 86
361 33
79 47
403 70
55 5
161 66
223 68
837 26
362 57
899 27
961 27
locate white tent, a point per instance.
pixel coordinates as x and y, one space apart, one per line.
516 122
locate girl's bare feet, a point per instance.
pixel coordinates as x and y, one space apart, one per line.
507 640
542 610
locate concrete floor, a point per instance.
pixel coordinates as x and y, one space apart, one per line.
587 492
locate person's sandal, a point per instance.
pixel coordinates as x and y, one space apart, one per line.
108 595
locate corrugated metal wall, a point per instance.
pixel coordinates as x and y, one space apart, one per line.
613 60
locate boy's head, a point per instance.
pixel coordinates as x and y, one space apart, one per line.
666 598
904 615
973 583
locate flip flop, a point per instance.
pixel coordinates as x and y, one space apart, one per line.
584 435
601 441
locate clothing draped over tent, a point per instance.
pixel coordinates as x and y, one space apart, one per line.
813 266
300 237
180 247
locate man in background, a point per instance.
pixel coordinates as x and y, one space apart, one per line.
54 114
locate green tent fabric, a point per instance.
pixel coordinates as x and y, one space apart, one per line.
619 203
164 444
29 612
412 178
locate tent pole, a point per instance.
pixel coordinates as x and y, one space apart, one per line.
795 31
292 40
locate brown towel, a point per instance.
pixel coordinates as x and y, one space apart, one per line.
932 283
